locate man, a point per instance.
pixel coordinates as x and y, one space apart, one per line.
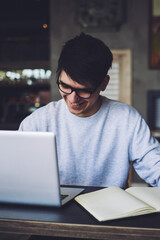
96 137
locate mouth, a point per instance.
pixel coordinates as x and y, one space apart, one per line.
76 106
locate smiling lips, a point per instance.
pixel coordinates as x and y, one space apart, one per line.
76 105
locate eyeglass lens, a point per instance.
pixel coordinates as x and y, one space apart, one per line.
68 90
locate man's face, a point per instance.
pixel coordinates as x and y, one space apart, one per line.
79 106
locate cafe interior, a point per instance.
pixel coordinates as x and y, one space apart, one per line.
32 33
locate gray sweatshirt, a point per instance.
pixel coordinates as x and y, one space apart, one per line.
97 150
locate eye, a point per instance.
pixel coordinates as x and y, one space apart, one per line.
64 85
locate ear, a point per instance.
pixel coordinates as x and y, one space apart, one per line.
105 82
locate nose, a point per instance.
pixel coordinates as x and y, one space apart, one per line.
73 97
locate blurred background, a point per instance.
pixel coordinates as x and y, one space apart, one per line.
32 33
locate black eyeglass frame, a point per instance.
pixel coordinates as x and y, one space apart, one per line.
75 90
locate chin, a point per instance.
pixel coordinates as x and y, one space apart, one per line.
75 112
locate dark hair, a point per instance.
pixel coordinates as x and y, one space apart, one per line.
85 59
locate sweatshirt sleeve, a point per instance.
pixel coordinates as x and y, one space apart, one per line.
146 153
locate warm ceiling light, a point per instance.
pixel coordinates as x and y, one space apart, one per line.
45 25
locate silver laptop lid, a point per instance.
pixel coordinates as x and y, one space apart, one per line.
29 168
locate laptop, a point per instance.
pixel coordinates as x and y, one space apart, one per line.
29 170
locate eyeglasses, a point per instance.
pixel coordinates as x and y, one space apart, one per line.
82 93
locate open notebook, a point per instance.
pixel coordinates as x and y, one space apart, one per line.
114 202
29 170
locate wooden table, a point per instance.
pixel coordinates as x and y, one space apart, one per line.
72 220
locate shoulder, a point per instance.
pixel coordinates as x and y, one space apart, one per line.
47 110
119 108
51 107
124 118
40 118
121 115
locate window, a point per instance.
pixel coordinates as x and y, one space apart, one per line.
120 85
